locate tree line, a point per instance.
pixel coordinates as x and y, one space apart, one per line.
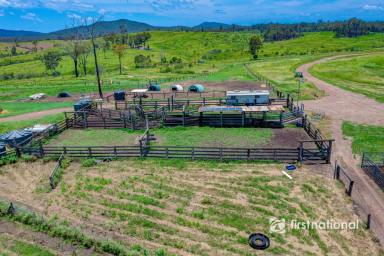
277 32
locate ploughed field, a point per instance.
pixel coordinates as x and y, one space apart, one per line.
191 208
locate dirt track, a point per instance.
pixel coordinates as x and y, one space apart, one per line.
341 105
33 115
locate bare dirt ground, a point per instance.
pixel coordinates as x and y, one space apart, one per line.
341 105
34 115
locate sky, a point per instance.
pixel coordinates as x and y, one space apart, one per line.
52 15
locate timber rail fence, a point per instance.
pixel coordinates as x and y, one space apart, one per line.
373 166
341 175
351 189
53 177
193 153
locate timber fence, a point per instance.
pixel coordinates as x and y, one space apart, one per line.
353 189
373 166
56 172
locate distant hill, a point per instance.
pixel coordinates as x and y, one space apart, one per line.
211 26
270 31
102 28
4 33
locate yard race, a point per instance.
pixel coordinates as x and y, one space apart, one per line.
126 131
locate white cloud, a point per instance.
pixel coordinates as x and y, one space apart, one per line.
31 16
102 11
74 16
373 7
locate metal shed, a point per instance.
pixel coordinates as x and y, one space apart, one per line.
196 88
154 88
119 95
82 104
17 137
177 88
248 98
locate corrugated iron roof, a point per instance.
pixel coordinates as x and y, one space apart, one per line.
248 93
270 108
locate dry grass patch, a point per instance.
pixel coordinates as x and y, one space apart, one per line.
205 208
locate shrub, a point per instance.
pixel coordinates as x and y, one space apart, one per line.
8 160
165 70
29 158
89 162
142 61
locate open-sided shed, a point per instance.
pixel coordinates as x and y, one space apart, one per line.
196 88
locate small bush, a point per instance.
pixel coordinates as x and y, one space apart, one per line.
89 162
165 70
8 160
29 158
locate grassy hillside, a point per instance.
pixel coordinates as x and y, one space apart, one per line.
218 49
363 74
281 72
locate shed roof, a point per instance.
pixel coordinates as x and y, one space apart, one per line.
248 93
274 108
139 90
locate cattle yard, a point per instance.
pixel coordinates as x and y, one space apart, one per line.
172 131
291 136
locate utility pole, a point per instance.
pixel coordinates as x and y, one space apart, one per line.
300 78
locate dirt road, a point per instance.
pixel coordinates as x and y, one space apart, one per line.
341 105
34 115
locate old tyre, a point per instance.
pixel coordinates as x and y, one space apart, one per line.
259 241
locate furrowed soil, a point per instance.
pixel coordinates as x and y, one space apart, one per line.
195 208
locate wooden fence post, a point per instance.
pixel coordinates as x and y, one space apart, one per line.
288 103
221 119
281 118
141 148
85 119
329 152
301 151
349 192
369 221
41 149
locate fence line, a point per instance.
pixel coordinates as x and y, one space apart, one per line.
147 150
374 169
341 175
53 176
